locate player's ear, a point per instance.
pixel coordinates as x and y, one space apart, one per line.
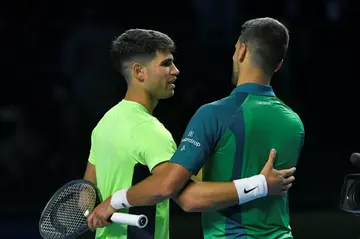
279 65
138 71
242 52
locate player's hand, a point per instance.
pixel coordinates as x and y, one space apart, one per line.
99 217
278 181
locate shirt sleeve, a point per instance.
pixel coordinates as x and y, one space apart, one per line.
154 144
201 135
92 153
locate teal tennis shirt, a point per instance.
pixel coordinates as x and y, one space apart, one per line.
231 139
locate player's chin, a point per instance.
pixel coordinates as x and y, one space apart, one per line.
167 94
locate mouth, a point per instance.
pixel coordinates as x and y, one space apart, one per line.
172 81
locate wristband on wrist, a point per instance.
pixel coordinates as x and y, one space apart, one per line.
119 199
251 188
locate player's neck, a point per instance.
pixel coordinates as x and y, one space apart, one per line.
140 96
252 75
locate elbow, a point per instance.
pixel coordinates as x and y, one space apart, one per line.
189 204
190 208
167 190
165 186
186 201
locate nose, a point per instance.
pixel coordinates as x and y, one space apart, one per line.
175 71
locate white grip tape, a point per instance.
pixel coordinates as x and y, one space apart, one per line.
119 199
139 221
251 188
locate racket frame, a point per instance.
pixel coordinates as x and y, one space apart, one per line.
83 228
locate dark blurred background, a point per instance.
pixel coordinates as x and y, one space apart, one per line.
57 81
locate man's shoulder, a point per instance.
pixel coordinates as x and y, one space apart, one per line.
131 123
219 110
151 127
291 112
218 105
224 102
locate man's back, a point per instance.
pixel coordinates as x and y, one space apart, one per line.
253 121
124 152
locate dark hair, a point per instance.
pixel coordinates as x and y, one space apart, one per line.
138 45
267 40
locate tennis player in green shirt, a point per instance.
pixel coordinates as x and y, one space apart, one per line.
129 144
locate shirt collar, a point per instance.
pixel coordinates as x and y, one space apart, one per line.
134 104
253 88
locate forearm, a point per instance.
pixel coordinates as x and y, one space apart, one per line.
167 180
206 196
149 192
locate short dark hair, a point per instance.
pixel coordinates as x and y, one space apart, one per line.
267 40
138 45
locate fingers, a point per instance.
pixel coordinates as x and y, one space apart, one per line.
95 221
104 223
271 158
100 223
90 222
288 180
287 187
287 172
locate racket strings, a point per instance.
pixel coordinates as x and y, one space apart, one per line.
66 214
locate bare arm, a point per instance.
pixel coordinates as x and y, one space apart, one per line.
90 173
168 180
206 196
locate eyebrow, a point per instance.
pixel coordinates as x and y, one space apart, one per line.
170 59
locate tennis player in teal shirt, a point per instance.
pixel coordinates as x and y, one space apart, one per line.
229 139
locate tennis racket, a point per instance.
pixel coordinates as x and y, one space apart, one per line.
65 215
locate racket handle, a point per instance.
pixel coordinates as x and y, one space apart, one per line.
139 221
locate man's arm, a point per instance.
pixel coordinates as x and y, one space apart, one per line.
90 173
208 196
169 178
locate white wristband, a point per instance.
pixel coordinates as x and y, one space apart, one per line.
249 189
119 199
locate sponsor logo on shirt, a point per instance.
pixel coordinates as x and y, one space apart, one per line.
191 141
262 103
